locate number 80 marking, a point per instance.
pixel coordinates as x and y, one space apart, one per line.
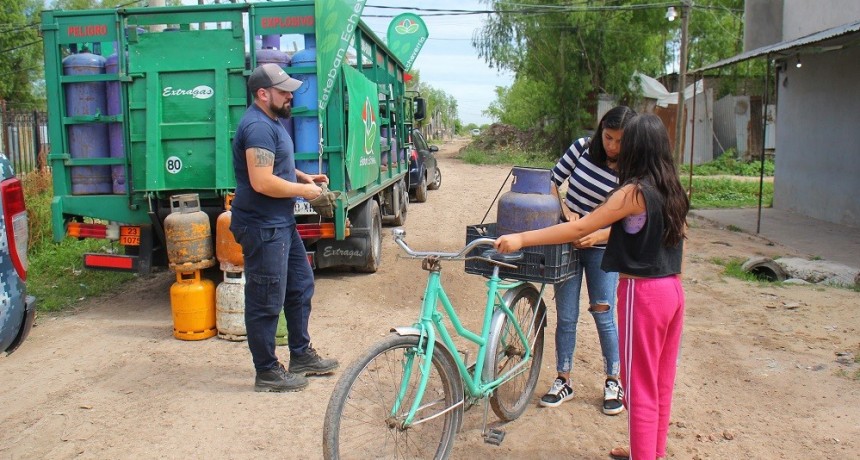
173 165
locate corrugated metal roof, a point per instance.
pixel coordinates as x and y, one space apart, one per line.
846 32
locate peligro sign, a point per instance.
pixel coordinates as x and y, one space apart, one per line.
198 92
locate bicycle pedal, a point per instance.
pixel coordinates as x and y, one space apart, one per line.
494 436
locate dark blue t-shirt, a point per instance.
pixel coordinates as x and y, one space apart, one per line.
256 129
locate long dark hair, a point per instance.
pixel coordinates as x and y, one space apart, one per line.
647 160
616 118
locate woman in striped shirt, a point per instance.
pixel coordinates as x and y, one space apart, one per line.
589 167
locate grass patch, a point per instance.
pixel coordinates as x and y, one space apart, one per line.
708 193
57 277
727 193
726 164
732 268
507 156
55 274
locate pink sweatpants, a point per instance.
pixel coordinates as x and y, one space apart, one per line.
650 321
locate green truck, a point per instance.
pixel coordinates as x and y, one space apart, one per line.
143 104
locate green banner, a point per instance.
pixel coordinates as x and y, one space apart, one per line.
336 21
362 147
407 33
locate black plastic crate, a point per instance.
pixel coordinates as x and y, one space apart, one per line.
542 264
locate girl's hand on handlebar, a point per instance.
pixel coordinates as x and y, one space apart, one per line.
509 243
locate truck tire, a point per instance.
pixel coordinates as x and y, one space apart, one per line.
400 218
374 256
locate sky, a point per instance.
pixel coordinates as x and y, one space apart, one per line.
447 61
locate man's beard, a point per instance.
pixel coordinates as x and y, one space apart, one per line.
283 111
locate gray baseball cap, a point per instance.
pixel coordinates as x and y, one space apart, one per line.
272 76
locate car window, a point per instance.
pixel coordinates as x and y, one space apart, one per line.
420 143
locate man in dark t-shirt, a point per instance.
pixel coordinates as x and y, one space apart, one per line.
277 273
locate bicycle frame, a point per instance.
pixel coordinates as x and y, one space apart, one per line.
431 321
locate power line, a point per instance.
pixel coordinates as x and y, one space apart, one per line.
21 46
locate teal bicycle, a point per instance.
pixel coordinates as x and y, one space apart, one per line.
405 397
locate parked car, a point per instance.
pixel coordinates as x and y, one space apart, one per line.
17 309
424 171
476 132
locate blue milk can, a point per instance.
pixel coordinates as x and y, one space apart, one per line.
530 204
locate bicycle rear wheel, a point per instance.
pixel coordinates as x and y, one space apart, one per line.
510 399
359 423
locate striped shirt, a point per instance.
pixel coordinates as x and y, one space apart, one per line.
587 183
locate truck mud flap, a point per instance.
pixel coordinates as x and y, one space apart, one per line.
351 252
361 249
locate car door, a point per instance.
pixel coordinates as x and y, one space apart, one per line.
425 154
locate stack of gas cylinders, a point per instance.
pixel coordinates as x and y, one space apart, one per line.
189 251
230 293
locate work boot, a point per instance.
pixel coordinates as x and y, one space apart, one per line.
278 380
311 363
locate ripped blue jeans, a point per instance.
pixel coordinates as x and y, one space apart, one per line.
601 290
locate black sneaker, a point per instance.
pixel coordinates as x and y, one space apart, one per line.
311 363
612 396
557 394
278 380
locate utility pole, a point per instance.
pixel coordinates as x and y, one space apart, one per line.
682 82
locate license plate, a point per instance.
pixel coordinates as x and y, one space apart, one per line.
303 208
129 236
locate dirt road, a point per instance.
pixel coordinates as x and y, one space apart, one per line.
759 374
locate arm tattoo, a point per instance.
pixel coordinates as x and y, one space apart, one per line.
263 158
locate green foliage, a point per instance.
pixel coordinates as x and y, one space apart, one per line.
37 196
732 267
57 278
506 156
20 54
727 164
441 107
565 54
727 193
56 275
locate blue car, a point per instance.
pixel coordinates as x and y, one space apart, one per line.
17 309
424 171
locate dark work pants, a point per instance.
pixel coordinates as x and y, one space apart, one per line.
278 278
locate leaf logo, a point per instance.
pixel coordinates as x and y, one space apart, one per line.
406 27
369 118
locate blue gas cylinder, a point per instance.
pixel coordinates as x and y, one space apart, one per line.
115 130
87 140
306 128
530 204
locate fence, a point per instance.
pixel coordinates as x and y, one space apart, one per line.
24 138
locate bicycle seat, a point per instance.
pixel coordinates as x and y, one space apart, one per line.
504 258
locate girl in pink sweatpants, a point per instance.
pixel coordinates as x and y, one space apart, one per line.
650 320
647 214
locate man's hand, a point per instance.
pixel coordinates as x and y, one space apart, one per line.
325 202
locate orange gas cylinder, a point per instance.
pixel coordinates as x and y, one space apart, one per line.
227 250
192 301
188 234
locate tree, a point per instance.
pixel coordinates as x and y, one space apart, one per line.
566 54
21 56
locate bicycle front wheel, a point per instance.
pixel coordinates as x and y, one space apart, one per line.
507 351
359 422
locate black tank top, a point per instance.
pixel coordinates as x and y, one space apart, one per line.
643 253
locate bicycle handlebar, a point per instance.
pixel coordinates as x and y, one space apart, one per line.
400 234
